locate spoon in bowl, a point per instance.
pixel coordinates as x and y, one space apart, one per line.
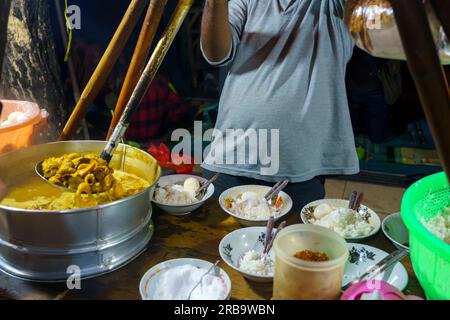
272 195
216 273
272 240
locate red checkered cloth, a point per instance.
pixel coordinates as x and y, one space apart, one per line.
160 110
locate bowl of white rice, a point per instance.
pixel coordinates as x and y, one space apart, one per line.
242 251
247 204
175 194
176 279
334 214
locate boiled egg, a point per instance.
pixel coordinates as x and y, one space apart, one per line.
191 185
322 210
251 197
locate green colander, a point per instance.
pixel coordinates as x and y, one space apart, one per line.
430 256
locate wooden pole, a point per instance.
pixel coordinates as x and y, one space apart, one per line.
427 72
104 67
148 75
141 52
5 5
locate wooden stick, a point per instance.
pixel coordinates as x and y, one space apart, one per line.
5 6
427 72
147 76
104 67
148 31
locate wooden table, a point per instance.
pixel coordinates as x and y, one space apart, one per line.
193 236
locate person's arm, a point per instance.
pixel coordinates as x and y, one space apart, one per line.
216 33
222 27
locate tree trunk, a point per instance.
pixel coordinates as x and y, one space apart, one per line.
30 68
4 14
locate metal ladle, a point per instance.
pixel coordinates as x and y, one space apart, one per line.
142 86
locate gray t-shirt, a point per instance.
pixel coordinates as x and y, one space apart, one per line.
288 62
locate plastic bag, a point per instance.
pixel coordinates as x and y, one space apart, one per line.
373 27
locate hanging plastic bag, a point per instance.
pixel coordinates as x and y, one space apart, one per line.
373 27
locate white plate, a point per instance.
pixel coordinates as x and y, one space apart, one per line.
238 242
182 209
395 230
374 219
150 280
363 257
260 190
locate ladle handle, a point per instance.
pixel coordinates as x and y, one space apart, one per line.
147 77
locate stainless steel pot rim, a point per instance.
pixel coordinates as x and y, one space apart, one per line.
79 211
97 246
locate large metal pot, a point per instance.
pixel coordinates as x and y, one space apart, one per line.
41 245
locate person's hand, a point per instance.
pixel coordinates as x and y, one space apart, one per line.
2 190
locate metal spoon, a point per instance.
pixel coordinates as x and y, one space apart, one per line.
265 241
204 187
381 266
272 195
281 226
271 190
214 267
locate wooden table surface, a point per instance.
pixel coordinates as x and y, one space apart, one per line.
193 236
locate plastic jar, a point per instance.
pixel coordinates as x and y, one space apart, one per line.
296 279
19 135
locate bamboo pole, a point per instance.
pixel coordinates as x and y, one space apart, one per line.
427 72
148 75
5 6
137 64
73 79
104 67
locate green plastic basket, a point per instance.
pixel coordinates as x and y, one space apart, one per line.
430 255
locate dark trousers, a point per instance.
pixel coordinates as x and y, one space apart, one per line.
301 193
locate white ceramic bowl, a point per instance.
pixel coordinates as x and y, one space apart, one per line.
374 219
183 209
150 280
238 242
395 230
363 257
260 190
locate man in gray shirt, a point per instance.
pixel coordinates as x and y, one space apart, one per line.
288 60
